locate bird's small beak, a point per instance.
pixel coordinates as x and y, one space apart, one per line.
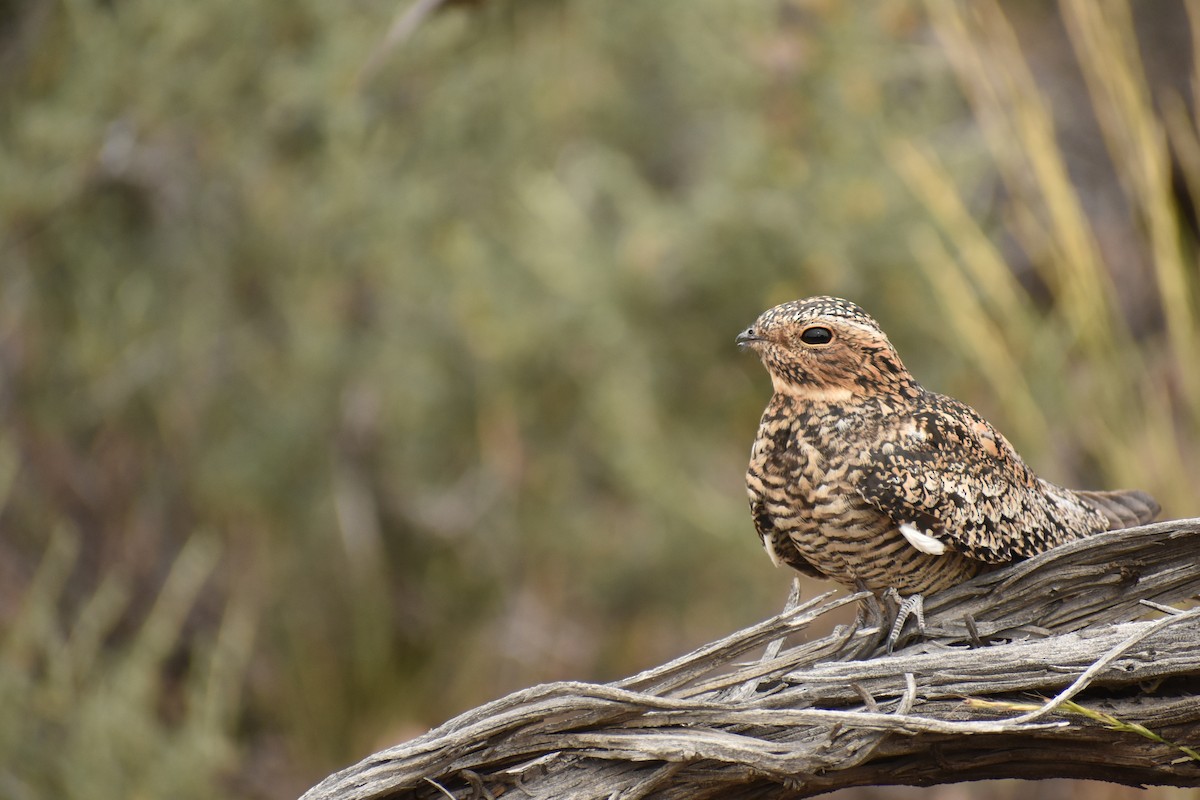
747 338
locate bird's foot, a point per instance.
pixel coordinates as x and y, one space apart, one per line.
911 606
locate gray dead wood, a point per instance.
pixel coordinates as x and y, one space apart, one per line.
1041 670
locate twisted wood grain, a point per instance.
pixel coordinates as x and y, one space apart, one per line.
1050 645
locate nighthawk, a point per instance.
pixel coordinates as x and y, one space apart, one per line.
861 476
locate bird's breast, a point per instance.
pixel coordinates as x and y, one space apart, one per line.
802 457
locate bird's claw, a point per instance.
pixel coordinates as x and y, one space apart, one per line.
911 606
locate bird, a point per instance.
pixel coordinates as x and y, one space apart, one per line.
860 476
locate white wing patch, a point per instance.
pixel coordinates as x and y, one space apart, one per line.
922 540
769 546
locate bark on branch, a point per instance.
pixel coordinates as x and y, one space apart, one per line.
1072 664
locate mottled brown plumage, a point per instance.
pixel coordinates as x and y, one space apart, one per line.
861 476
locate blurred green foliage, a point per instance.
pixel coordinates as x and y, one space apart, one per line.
87 720
438 358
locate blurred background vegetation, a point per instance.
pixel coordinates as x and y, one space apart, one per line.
346 385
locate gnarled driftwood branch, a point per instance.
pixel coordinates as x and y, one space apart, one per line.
1072 664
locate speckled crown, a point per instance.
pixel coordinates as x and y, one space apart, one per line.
821 306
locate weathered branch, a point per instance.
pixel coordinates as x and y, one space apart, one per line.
1044 669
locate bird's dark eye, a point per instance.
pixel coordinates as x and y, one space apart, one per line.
816 335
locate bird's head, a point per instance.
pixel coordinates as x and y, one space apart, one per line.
826 349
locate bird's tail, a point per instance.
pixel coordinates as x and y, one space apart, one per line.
1124 509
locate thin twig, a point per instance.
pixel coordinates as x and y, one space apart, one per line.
1171 610
440 788
404 24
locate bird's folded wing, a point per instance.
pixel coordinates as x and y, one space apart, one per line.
946 473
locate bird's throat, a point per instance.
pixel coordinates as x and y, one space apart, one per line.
811 393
